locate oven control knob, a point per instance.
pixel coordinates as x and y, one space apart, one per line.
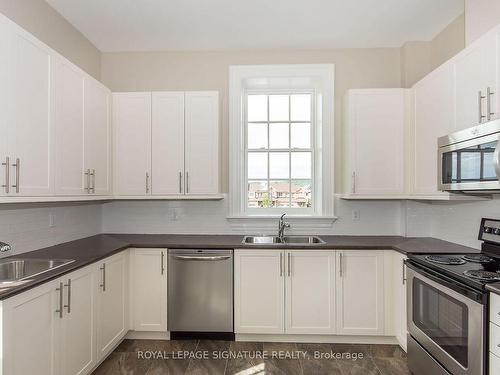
487 229
496 231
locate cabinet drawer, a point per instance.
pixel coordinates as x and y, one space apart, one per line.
494 364
494 343
495 308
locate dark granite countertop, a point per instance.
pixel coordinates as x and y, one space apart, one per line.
92 249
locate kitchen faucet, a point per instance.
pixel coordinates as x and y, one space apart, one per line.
282 224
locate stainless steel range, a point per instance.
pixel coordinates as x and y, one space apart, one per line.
447 307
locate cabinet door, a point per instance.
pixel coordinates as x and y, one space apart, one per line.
77 354
202 142
132 139
4 95
149 274
97 138
30 324
474 70
360 292
168 143
30 122
433 118
111 303
259 286
310 292
68 127
494 367
399 282
376 131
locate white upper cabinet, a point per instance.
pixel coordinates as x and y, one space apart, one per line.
30 126
168 143
475 83
433 118
132 143
360 292
68 125
4 95
376 126
202 142
310 292
97 137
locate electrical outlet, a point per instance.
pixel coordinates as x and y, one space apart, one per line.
52 220
356 215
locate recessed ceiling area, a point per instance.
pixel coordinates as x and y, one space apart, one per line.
149 25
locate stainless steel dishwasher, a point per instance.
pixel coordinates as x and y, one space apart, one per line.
200 291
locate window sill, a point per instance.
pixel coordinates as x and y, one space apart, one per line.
260 224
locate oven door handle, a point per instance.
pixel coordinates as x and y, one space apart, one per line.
448 282
496 160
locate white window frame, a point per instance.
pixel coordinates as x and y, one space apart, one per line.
317 78
248 211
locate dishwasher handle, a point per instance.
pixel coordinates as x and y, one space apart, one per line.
202 258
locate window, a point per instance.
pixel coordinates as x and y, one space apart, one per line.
279 150
281 137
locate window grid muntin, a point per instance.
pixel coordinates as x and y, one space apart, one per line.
289 150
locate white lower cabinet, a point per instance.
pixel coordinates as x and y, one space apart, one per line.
399 301
360 292
310 292
259 291
494 364
112 312
51 329
30 326
149 289
77 339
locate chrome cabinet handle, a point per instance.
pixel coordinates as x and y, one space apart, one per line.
68 306
162 262
289 264
93 181
17 165
87 181
489 93
480 98
7 174
353 182
103 284
404 273
147 182
340 266
281 264
180 182
187 182
60 310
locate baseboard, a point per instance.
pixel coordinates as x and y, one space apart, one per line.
144 335
322 339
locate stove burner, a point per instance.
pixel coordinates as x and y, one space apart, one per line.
445 259
477 258
482 275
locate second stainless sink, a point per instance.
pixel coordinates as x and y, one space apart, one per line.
14 270
287 240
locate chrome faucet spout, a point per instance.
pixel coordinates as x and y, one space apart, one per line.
282 224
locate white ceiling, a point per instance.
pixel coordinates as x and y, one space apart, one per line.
141 25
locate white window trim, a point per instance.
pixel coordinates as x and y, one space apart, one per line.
317 77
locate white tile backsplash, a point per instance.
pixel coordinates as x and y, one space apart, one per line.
29 227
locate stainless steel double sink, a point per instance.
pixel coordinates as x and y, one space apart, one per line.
287 240
16 270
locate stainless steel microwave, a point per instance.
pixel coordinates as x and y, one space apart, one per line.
468 160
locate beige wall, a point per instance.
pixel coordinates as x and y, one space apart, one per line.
420 58
480 17
37 17
355 68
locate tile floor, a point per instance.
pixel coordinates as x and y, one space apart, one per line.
377 359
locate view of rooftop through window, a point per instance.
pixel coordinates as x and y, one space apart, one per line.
279 146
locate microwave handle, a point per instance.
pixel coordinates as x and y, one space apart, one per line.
496 160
